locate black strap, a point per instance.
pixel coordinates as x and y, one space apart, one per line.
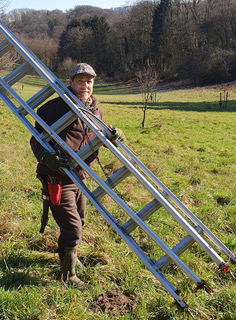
46 202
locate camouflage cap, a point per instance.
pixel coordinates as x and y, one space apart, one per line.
82 68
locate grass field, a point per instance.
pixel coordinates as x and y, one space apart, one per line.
189 143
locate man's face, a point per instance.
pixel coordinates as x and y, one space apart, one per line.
82 86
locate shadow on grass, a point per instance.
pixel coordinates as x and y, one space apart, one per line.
106 88
17 274
100 87
17 280
181 106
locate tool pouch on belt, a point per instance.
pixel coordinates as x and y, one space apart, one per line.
54 190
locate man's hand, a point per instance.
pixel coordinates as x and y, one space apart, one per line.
120 135
54 162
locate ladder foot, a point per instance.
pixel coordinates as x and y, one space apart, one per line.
177 292
181 305
224 268
202 285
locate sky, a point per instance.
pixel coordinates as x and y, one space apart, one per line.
63 4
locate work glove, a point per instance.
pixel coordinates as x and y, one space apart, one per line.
120 135
54 162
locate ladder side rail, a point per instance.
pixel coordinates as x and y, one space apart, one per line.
43 124
190 215
98 122
54 82
120 156
112 194
156 193
110 219
133 245
34 115
165 203
138 220
24 51
25 121
91 120
28 55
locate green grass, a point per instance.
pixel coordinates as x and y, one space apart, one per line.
189 144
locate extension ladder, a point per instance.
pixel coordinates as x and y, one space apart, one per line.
161 197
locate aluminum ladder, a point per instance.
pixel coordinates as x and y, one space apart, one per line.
196 232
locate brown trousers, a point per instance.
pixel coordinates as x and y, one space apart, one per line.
70 215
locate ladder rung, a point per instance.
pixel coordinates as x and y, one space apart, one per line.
38 98
4 47
7 100
178 249
41 96
113 181
59 125
18 73
146 212
87 150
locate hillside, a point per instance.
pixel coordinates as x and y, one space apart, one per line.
172 40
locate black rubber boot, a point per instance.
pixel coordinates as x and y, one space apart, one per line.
68 263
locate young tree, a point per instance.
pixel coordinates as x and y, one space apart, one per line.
147 79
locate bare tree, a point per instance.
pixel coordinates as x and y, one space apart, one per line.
3 4
8 60
147 79
187 39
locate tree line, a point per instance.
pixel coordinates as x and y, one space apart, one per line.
179 39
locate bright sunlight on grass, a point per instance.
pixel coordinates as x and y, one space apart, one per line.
189 143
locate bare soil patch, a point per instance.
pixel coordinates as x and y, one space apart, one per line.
114 302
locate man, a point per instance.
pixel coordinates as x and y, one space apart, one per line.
70 213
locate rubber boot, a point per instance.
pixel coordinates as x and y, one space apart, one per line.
68 263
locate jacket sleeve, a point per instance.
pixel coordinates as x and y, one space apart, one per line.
37 148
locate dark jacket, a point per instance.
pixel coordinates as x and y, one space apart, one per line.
74 135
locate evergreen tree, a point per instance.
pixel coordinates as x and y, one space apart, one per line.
158 32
